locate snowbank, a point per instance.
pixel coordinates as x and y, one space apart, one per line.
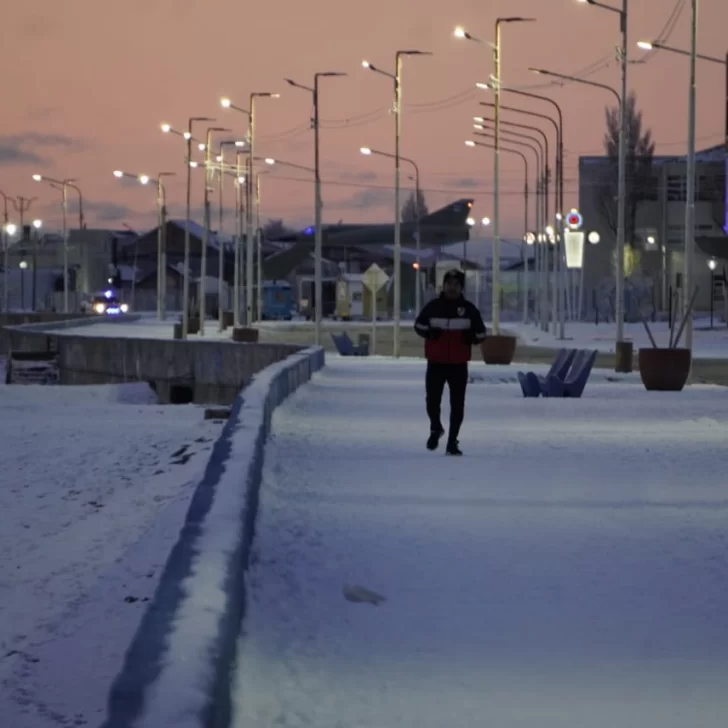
177 671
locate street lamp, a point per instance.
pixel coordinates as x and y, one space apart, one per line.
209 171
144 179
239 144
397 79
6 243
187 136
318 245
545 256
690 167
366 151
473 144
622 175
557 302
63 185
495 288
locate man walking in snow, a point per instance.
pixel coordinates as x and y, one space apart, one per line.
450 326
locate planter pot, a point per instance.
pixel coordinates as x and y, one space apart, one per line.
245 335
664 370
498 349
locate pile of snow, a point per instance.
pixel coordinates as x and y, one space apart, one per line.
96 481
569 570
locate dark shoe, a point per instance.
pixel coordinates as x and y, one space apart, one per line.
434 439
453 449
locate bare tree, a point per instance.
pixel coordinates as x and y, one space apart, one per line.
413 205
640 182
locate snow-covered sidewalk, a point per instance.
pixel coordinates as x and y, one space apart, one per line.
94 485
569 571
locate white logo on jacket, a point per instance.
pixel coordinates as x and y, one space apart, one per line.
461 311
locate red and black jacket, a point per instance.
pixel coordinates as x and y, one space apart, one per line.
450 329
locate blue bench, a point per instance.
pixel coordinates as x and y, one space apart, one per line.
346 347
532 385
573 384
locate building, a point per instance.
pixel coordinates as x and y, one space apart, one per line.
659 225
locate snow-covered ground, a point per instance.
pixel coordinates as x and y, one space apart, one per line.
707 343
95 482
569 571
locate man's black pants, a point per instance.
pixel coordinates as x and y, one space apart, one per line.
456 378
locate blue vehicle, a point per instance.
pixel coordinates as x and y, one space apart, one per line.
277 301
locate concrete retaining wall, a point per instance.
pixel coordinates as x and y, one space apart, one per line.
214 372
46 321
178 669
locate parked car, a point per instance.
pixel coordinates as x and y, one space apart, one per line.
106 303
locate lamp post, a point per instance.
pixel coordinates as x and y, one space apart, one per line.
462 33
690 167
622 171
249 211
559 288
221 258
166 128
366 151
397 78
37 225
318 245
474 144
529 142
209 171
541 206
144 179
540 238
63 185
6 244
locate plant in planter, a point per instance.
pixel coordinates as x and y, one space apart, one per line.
498 348
666 369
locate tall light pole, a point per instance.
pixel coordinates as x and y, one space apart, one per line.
249 212
144 179
541 150
366 151
209 171
318 246
545 320
166 128
689 241
397 78
622 169
495 288
63 185
221 258
6 244
532 143
559 288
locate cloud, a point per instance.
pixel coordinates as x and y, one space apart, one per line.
107 211
363 200
359 176
466 183
20 149
11 154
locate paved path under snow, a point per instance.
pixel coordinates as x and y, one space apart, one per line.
569 570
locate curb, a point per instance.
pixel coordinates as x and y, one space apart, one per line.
177 669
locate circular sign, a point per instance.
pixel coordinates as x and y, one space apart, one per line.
574 220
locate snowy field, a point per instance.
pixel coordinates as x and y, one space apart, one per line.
707 343
569 571
94 488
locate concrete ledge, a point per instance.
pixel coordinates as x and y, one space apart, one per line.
178 669
37 324
212 372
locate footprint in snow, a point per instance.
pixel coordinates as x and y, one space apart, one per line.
362 595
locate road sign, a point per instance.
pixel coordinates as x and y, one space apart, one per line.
375 278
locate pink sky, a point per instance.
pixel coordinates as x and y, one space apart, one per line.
87 83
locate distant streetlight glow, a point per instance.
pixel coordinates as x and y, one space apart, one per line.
469 143
269 160
144 179
485 221
118 173
11 228
225 102
645 45
37 224
365 151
